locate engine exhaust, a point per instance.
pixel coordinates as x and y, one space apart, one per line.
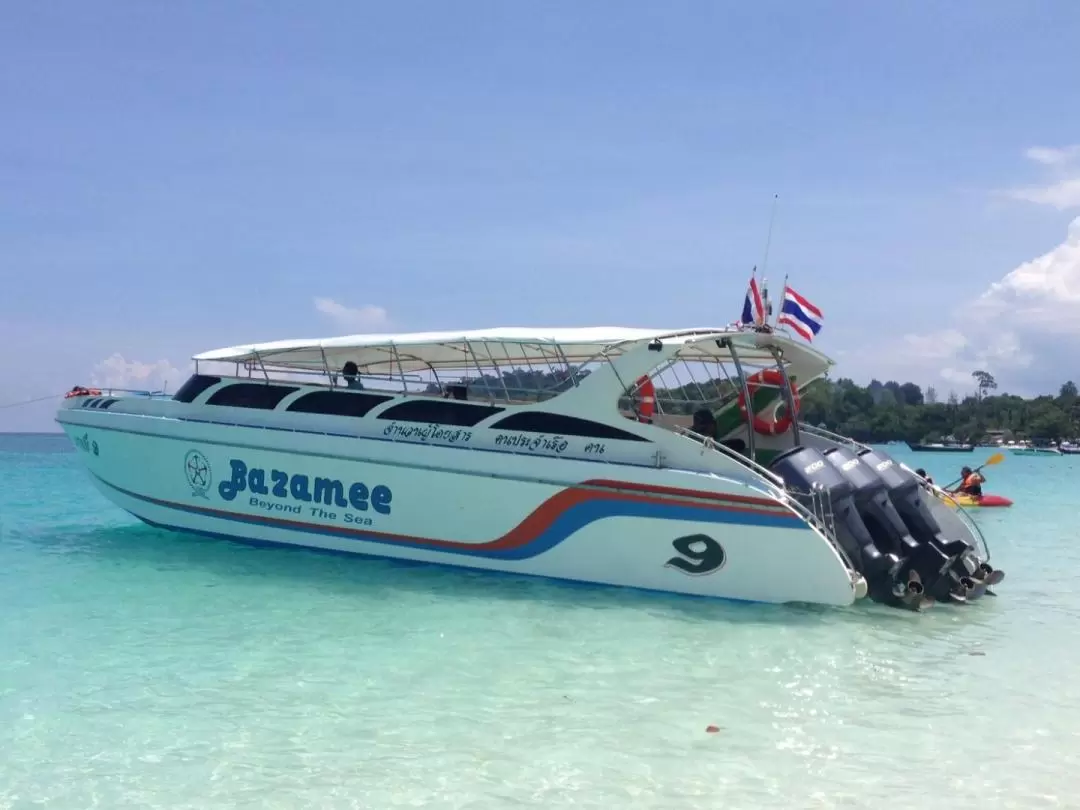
913 595
963 590
990 575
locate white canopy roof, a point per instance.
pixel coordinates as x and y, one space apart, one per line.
417 351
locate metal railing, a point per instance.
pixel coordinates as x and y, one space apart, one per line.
961 513
736 456
820 509
818 514
976 533
486 384
837 438
112 392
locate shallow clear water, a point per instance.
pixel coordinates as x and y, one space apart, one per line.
146 669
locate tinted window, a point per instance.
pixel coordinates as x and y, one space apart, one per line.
440 411
337 403
539 422
250 395
195 385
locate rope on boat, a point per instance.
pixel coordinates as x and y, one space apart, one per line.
29 401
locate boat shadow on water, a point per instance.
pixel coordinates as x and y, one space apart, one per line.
350 574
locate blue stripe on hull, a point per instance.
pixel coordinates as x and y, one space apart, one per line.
561 528
563 581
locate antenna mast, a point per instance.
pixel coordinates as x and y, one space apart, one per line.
765 261
768 238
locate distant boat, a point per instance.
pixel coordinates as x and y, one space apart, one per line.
942 447
1037 451
1070 449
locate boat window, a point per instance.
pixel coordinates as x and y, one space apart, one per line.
195 385
337 403
250 395
441 412
557 423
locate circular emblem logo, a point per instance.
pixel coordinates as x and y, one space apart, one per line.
197 472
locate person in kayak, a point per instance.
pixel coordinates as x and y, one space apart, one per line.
971 482
922 474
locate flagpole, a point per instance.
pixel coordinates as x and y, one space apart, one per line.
749 285
783 292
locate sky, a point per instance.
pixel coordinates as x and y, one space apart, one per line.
180 177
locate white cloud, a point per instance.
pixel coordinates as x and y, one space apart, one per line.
1051 156
1063 189
1042 294
116 371
941 345
1017 327
1015 330
360 320
1062 195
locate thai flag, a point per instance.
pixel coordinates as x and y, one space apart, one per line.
798 313
753 309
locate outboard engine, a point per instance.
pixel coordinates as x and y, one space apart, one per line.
806 470
905 492
878 513
934 562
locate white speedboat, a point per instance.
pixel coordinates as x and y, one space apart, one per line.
564 453
1036 450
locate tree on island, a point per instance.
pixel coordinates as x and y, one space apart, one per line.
870 414
984 382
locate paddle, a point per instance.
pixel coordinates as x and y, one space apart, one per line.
997 458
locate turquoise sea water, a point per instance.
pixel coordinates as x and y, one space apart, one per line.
143 669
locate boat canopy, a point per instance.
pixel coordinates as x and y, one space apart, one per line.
421 351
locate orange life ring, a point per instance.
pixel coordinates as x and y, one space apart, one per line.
646 397
766 425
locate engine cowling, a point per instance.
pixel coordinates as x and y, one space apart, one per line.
805 470
905 492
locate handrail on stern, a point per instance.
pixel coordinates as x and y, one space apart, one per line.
746 461
819 516
961 513
823 433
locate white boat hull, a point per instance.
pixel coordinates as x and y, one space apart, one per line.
584 521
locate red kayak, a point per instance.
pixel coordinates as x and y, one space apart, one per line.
985 500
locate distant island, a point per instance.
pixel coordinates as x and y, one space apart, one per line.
876 413
892 411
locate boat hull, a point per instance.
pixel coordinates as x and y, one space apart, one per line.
622 525
941 448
